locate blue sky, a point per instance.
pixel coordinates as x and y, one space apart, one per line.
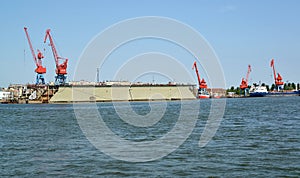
240 32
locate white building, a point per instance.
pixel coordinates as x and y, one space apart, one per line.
4 95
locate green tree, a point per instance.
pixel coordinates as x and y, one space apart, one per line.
238 90
232 88
288 86
293 86
272 87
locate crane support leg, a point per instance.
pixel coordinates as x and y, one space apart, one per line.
246 92
60 79
40 79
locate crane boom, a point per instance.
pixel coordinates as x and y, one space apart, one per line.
274 71
40 70
248 72
37 59
55 54
197 73
31 48
61 68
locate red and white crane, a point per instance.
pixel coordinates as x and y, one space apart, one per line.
40 70
277 79
202 92
244 83
61 63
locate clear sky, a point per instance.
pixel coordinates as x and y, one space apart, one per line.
241 33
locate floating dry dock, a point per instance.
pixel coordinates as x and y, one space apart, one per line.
98 93
66 94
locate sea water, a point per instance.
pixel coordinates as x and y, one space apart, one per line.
257 137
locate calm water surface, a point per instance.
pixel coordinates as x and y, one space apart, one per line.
257 137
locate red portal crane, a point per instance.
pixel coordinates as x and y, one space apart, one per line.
61 67
278 79
202 93
202 83
244 83
40 70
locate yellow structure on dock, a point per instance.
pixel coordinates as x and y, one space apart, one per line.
77 93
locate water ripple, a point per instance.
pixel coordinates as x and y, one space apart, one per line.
257 137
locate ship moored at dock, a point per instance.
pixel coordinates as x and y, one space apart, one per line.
261 91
